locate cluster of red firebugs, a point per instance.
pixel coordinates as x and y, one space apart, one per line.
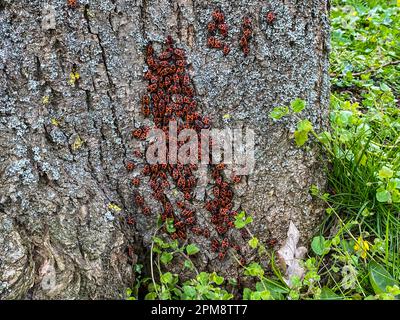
247 32
171 97
215 27
219 26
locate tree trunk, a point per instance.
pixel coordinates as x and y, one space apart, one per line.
71 85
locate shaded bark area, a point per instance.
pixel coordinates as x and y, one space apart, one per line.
65 141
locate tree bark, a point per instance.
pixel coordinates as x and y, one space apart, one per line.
65 141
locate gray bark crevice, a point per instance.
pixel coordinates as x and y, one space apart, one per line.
55 219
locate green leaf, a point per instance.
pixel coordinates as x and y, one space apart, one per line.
170 225
328 294
239 224
325 137
256 295
276 289
279 112
165 294
161 243
253 242
174 244
301 134
395 182
305 125
131 298
138 268
385 172
379 277
166 257
192 249
233 282
395 196
246 294
298 105
158 241
248 220
265 295
241 220
315 190
189 292
301 137
167 278
254 269
188 264
318 245
177 292
156 250
383 195
384 87
203 278
150 296
217 279
344 118
128 292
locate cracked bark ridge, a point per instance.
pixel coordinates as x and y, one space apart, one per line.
64 143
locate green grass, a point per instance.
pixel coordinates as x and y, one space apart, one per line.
356 253
364 173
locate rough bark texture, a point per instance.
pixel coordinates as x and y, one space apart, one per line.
55 190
